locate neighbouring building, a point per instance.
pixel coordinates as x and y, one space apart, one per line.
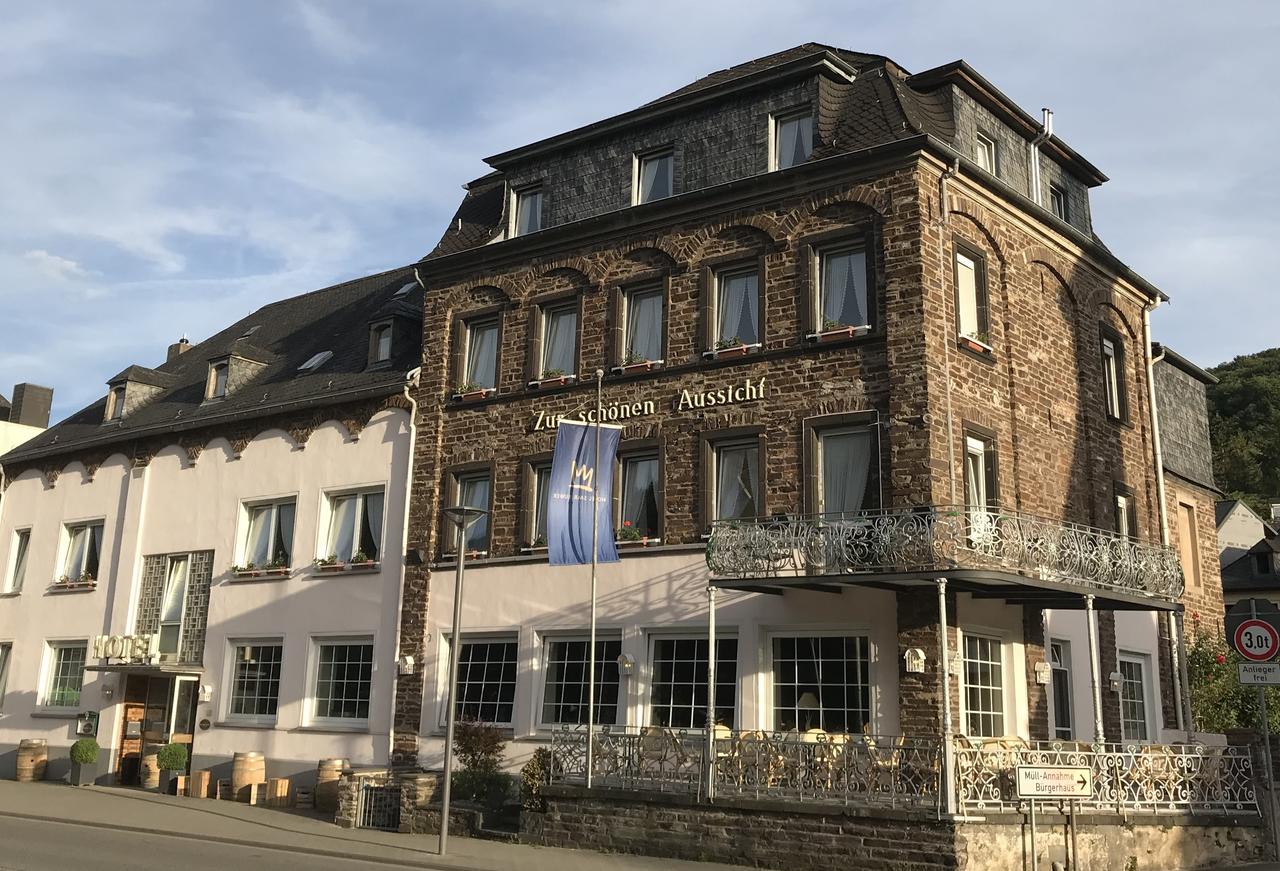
1249 552
25 417
212 552
888 427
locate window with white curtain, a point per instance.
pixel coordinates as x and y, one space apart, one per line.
84 547
380 339
1113 376
541 474
1060 684
983 686
18 568
655 176
173 603
844 468
559 340
642 316
481 360
737 480
737 307
979 473
527 217
640 512
355 526
971 296
1135 723
473 492
821 682
842 283
269 534
792 139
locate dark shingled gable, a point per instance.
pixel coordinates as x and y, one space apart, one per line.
288 333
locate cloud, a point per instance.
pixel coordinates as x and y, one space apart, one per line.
54 266
333 36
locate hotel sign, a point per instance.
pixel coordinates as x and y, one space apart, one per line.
127 648
686 400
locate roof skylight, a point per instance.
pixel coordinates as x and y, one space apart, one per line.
316 362
404 291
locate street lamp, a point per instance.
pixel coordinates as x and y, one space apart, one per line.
462 517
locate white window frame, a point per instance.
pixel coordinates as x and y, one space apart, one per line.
324 547
820 270
873 696
443 697
547 313
646 692
638 161
6 661
456 538
1058 202
517 195
820 455
988 153
720 277
13 581
751 442
309 717
776 120
545 640
1125 513
246 526
1007 709
379 332
176 653
625 318
976 447
624 462
1111 379
1143 661
539 507
469 328
1066 667
64 548
49 669
229 680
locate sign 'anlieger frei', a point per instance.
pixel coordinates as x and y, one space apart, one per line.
686 400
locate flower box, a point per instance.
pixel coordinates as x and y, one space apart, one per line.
732 351
974 344
838 334
634 368
552 381
331 568
342 568
73 585
638 542
271 572
472 395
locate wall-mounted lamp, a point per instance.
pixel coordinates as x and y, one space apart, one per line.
406 664
626 664
1117 681
205 693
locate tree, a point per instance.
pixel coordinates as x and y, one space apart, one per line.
1244 423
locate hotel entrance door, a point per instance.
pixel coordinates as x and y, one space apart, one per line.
158 709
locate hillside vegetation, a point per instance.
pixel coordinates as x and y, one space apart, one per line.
1244 421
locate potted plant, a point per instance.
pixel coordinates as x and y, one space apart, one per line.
979 342
277 567
733 346
249 570
470 391
629 532
84 758
170 759
552 378
834 331
361 560
329 563
633 362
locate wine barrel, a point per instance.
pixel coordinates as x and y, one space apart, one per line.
149 773
246 770
328 773
33 758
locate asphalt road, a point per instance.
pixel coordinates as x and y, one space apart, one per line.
29 845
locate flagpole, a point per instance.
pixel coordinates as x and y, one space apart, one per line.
595 553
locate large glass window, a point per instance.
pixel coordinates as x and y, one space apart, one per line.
655 176
528 211
1060 665
643 318
1134 723
66 674
1113 376
255 680
844 459
355 526
983 686
564 697
737 307
842 280
641 516
481 362
473 492
821 682
971 297
737 480
344 679
678 694
173 604
487 681
84 547
269 536
559 340
18 569
792 139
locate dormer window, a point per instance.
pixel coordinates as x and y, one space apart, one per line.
380 343
792 139
527 215
115 404
217 388
654 176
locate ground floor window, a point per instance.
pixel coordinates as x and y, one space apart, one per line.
564 698
821 682
1060 663
983 686
66 674
487 680
1134 724
5 650
344 679
678 697
255 680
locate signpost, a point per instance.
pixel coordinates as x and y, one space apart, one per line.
1265 674
1256 640
1253 627
1070 782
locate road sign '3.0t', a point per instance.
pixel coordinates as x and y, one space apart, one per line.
1256 640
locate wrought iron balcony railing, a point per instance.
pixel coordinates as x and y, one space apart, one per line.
942 538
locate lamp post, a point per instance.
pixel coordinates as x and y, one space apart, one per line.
461 517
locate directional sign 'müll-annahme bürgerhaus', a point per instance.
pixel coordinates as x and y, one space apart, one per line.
1055 781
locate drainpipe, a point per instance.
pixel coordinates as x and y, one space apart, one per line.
1033 152
943 216
411 380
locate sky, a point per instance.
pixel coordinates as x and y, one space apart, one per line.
170 167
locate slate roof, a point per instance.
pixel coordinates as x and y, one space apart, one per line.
288 334
5 407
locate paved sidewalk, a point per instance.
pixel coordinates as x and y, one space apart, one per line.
297 831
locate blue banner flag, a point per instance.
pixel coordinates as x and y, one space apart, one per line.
578 482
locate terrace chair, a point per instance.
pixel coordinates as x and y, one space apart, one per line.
1159 769
759 762
659 754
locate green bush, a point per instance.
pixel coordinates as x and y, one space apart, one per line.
1218 700
532 778
489 788
479 745
85 751
172 757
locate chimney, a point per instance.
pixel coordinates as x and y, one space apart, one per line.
31 405
1275 509
178 348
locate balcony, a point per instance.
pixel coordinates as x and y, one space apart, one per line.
1022 556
